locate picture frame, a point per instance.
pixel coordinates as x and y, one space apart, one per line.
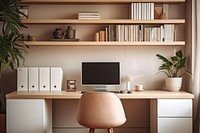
71 86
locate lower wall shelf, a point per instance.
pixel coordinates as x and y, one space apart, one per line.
93 43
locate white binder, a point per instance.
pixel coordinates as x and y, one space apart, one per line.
56 78
22 79
33 79
44 79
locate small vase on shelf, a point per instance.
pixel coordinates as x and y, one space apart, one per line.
70 33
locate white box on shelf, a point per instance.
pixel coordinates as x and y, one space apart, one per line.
44 78
22 79
56 78
33 79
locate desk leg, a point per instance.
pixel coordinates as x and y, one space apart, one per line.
153 116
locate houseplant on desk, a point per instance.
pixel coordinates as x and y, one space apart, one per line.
174 69
11 48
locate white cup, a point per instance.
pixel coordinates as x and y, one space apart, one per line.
138 87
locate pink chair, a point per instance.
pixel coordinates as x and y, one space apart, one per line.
98 110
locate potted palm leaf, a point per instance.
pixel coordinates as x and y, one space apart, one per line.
11 48
174 69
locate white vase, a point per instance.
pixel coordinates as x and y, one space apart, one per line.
128 86
173 84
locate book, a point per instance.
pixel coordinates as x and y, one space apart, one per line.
102 36
144 11
88 14
112 32
89 18
117 32
169 32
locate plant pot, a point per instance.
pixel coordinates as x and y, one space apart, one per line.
173 84
2 123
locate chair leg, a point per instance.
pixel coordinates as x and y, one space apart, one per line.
91 130
110 130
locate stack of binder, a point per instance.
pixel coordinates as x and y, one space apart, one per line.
39 78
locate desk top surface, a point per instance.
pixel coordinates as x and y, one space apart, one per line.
147 94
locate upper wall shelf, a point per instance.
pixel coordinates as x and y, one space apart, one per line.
97 1
102 21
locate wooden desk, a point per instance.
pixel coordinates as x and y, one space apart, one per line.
32 111
149 94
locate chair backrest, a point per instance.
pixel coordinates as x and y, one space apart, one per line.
100 110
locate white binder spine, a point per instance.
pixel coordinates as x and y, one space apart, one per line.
44 78
33 79
22 79
56 78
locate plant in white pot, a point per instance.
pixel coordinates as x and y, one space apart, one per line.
174 69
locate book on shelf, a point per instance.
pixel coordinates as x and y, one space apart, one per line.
88 15
142 11
169 32
137 33
112 33
89 18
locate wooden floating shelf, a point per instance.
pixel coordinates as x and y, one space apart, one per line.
97 1
93 43
102 21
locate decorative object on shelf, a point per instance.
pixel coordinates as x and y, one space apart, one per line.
128 79
174 70
138 87
159 11
69 40
11 48
71 85
24 37
163 16
31 38
70 32
57 34
25 11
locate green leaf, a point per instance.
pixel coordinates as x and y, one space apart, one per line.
179 54
162 58
174 59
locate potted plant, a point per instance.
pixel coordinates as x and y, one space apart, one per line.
174 69
11 46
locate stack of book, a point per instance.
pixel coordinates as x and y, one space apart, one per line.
142 11
102 35
89 15
137 33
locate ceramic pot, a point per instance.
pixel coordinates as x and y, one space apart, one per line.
57 34
173 84
70 32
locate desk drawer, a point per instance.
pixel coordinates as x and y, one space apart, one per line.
174 125
174 108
